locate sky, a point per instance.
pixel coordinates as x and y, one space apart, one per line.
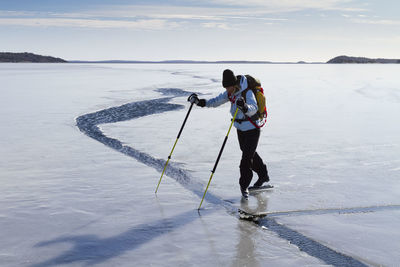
266 30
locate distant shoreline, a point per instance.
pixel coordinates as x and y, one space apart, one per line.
187 62
7 57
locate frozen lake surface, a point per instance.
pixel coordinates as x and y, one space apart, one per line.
83 147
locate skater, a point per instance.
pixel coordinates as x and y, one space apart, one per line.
248 131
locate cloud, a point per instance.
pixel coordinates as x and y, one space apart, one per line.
222 26
169 12
221 14
207 16
377 21
213 10
278 6
136 17
151 24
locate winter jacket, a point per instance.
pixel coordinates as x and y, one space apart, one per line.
250 101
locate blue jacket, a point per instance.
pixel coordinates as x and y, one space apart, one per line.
250 101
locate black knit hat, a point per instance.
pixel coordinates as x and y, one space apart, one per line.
228 78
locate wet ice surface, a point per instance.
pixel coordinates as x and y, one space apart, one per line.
83 147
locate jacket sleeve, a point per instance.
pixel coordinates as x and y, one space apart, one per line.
251 103
218 100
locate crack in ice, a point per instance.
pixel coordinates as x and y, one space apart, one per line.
88 124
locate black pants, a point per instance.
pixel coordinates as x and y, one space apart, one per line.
250 161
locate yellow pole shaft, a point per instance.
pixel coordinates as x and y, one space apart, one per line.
233 120
166 163
209 181
219 156
177 138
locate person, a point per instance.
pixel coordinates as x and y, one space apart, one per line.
247 131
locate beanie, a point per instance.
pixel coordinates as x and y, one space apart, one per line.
228 78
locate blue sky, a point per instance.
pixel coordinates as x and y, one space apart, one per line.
275 30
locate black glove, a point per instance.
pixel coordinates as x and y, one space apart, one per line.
202 103
241 104
194 99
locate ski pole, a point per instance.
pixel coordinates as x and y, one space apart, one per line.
219 156
176 141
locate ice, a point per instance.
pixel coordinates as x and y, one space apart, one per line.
83 147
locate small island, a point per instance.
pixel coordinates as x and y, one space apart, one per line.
362 60
8 57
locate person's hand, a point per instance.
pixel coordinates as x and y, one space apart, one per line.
201 103
193 98
241 104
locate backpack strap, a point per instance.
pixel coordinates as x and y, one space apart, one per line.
247 118
244 92
253 118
